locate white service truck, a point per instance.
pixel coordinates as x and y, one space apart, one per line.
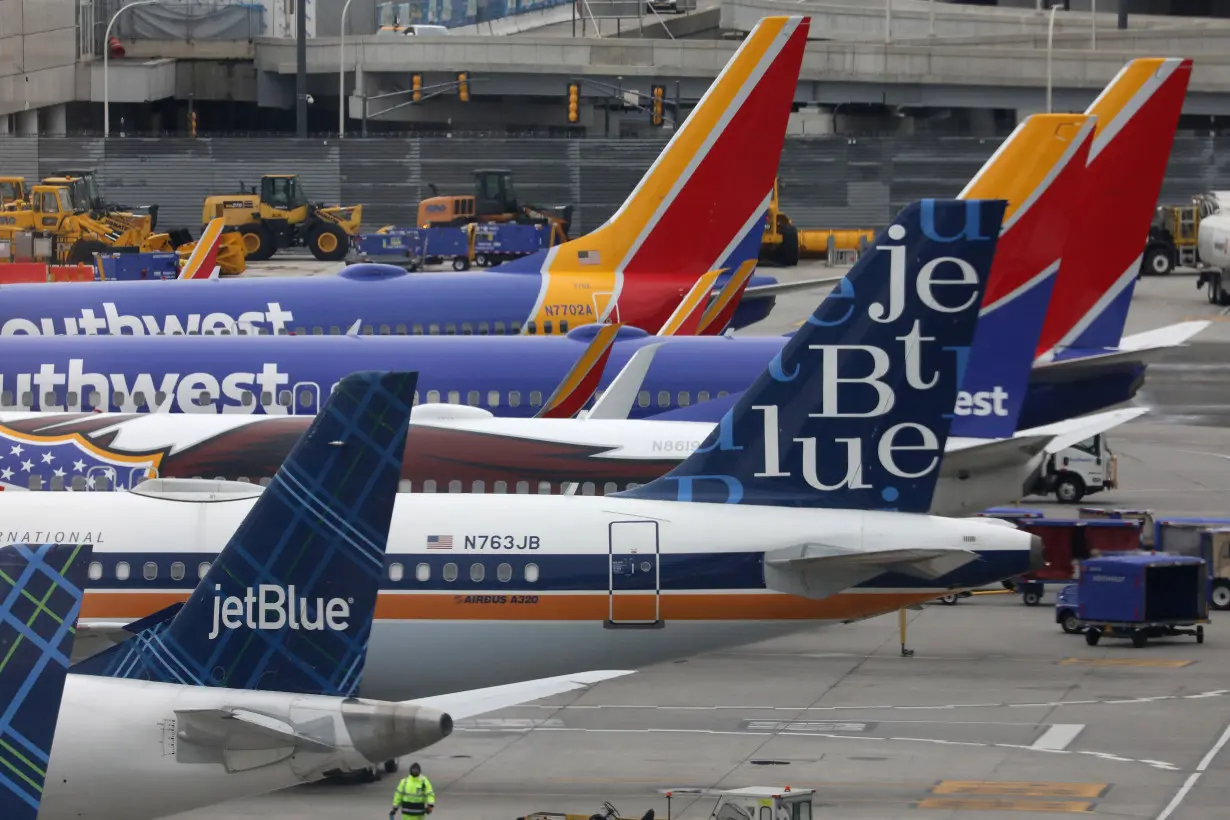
1086 467
1213 247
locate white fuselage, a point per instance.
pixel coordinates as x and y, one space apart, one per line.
500 588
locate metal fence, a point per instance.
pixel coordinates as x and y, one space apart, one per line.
833 182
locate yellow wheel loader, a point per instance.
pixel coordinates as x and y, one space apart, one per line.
12 192
280 216
79 236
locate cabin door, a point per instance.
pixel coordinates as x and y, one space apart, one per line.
635 580
306 399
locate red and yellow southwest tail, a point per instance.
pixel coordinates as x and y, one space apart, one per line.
203 262
710 186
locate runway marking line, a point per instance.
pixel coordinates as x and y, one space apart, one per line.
1154 663
1004 804
1023 788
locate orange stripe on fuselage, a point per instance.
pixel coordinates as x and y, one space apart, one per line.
592 606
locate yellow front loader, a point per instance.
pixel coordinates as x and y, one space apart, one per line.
280 216
79 236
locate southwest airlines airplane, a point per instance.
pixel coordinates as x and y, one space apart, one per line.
790 513
243 699
700 207
1052 171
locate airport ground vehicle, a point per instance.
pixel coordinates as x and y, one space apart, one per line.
1067 609
280 216
1145 517
784 243
1086 467
12 191
1207 538
78 235
1065 542
1141 596
494 200
748 803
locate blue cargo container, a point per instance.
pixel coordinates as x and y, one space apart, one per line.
136 266
1142 595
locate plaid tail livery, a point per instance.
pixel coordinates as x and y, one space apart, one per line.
41 587
288 604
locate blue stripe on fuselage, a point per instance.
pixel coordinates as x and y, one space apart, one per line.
574 573
281 304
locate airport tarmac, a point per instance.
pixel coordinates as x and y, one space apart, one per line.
998 714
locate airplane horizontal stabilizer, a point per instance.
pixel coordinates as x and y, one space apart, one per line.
821 570
474 702
685 321
241 729
725 302
761 291
1067 433
1144 347
580 382
95 636
854 411
288 604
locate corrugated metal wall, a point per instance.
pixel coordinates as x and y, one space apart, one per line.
832 182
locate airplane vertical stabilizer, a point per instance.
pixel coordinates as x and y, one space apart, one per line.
202 263
41 588
855 410
1137 116
289 602
1040 171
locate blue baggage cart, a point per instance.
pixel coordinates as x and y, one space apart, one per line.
1142 595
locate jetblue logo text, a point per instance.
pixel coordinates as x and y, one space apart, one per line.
272 321
271 607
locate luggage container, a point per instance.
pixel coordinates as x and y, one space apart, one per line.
496 242
1181 536
130 267
1145 517
1215 550
1141 596
1066 542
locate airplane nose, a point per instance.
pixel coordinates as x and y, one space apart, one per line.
1036 561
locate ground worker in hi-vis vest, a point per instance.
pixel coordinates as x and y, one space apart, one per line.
414 795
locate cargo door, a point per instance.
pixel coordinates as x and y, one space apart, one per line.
634 574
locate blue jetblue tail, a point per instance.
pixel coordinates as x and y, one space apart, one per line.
289 602
41 587
854 412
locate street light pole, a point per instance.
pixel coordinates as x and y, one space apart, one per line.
106 62
341 78
1050 38
1093 22
888 21
301 93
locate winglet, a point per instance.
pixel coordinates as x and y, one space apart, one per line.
576 388
617 400
41 588
1040 171
1137 115
202 263
722 309
854 411
686 319
289 602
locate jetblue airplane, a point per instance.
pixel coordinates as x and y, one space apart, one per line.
720 551
699 208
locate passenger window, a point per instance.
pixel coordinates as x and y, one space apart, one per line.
305 398
609 488
396 572
71 398
477 572
483 328
535 398
27 398
433 329
334 330
78 483
301 331
405 486
95 399
429 486
6 398
422 573
531 573
95 572
401 330
178 570
514 328
433 396
722 393
454 397
450 572
523 487
149 571
318 331
642 398
501 487
450 329
454 486
35 482
563 325
544 487
57 483
417 330
472 398
49 399
202 569
499 328
478 488
587 488
531 328
467 329
266 398
121 571
493 398
416 398
702 396
664 398
284 398
385 330
138 399
367 330
247 398
685 398
514 398
504 573
265 482
546 327
632 485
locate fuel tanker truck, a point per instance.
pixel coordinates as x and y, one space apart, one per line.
1213 257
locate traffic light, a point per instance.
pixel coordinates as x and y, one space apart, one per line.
463 86
192 123
658 93
574 102
416 85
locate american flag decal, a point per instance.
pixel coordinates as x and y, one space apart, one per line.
589 257
439 542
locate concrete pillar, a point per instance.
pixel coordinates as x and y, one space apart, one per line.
55 120
1123 14
27 123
